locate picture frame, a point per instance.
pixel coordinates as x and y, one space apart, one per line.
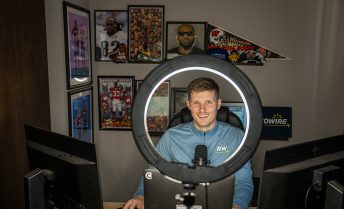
158 112
115 101
80 114
137 85
237 108
178 100
184 38
146 33
111 35
77 45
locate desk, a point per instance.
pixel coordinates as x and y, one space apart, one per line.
115 205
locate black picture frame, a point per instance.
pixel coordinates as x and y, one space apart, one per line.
174 40
80 114
179 97
77 45
111 35
146 33
115 101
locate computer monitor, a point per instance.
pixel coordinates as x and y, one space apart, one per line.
63 172
161 191
289 177
237 108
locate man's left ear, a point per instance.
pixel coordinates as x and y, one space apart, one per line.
219 103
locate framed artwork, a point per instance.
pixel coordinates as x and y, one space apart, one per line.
158 115
137 85
115 101
77 45
179 100
184 38
111 34
80 114
237 108
146 33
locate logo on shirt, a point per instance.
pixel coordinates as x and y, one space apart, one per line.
222 149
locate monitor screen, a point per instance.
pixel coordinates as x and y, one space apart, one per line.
68 168
174 194
237 108
288 179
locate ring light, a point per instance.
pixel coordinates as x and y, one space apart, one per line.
223 69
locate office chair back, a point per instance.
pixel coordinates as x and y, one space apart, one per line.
223 115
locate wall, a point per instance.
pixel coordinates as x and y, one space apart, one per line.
306 31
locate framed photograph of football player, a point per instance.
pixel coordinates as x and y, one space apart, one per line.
146 33
80 114
115 101
111 35
184 38
77 45
158 112
178 100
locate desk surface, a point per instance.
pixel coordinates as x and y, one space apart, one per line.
115 205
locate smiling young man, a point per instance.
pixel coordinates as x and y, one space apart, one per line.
178 143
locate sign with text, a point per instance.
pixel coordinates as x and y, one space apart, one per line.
277 123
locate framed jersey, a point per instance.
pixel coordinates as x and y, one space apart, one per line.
111 35
115 100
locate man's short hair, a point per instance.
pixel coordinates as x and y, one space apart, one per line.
203 84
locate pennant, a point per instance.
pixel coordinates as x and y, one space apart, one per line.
232 48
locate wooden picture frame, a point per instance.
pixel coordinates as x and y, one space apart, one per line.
146 33
80 114
111 35
115 101
184 38
77 45
179 97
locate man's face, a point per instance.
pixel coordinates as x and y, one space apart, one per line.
186 36
203 107
110 26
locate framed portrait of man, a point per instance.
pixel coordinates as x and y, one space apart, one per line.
111 34
184 38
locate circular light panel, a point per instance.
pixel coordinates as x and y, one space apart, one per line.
221 68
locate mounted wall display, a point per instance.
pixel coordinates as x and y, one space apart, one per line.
146 33
77 45
80 111
111 34
184 38
232 48
115 99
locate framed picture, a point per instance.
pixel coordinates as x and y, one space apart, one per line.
111 34
184 38
137 85
146 33
158 115
115 101
77 45
237 108
80 114
179 100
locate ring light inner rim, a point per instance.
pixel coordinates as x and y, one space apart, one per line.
208 70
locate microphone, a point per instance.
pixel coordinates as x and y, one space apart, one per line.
201 156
